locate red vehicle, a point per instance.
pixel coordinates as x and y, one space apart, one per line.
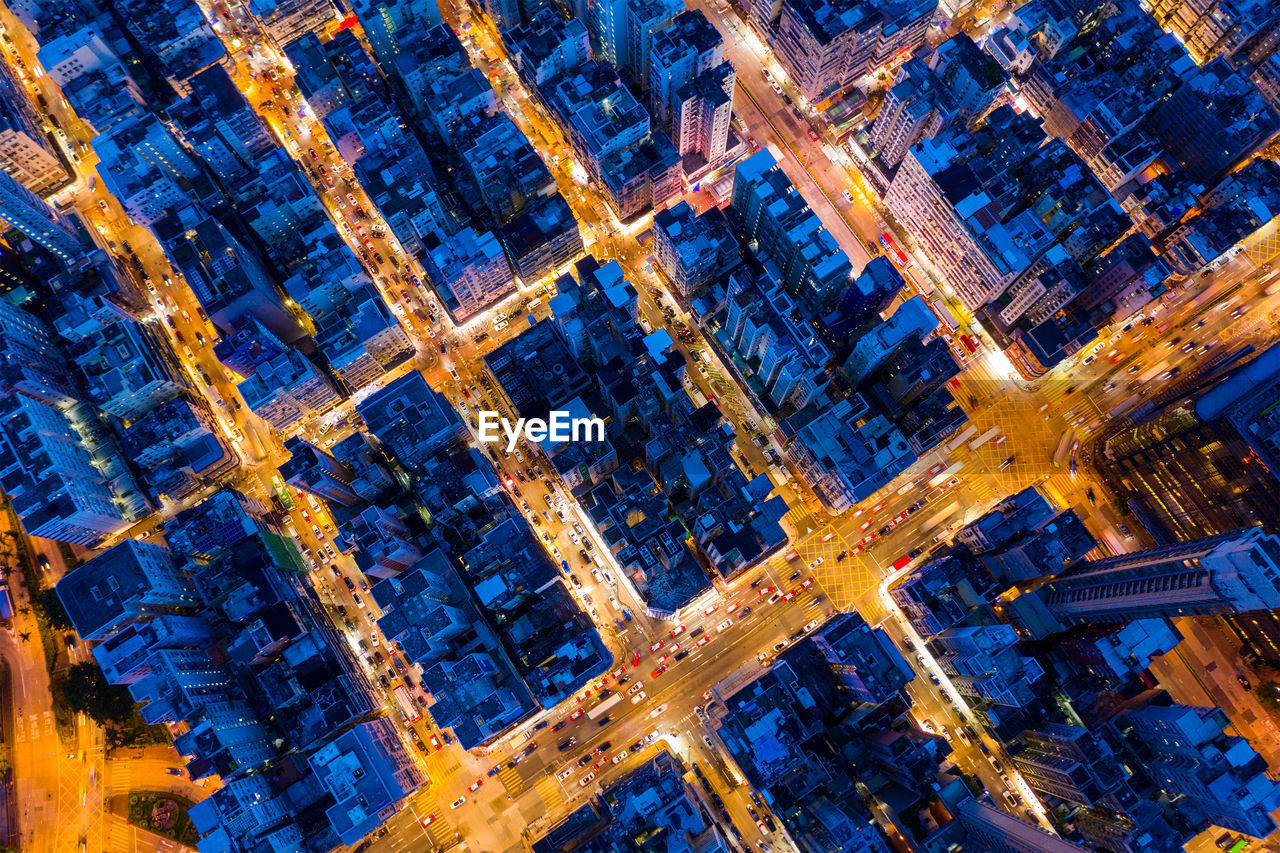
475 786
709 610
813 135
755 146
901 562
435 743
428 820
733 607
657 645
807 584
635 659
768 590
577 715
702 641
659 671
677 631
937 469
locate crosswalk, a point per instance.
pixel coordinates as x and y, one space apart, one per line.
440 831
549 791
119 835
511 780
118 776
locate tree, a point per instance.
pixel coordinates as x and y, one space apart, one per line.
86 689
50 606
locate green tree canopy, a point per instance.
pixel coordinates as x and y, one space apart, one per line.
86 689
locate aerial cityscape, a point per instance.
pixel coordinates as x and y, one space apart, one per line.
654 426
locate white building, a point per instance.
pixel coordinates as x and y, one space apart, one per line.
470 272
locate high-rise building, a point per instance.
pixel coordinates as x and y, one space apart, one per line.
866 663
1067 762
1184 752
28 213
411 420
470 271
826 46
369 773
387 23
50 475
26 155
770 213
127 583
286 21
692 250
645 18
319 472
1230 573
1205 465
690 47
914 108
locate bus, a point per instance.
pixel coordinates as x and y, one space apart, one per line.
984 438
1124 405
887 241
407 705
963 436
944 314
945 475
603 708
1064 447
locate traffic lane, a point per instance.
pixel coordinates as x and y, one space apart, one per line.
683 684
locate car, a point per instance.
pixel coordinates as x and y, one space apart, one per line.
475 786
659 671
1244 682
564 774
428 820
576 715
586 780
621 755
709 610
639 697
584 760
809 626
744 613
173 771
677 631
435 743
636 688
702 641
812 135
458 802
807 584
768 590
723 626
657 645
755 146
848 199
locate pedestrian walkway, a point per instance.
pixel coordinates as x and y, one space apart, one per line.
511 780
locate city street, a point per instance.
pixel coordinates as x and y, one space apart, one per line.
1019 434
